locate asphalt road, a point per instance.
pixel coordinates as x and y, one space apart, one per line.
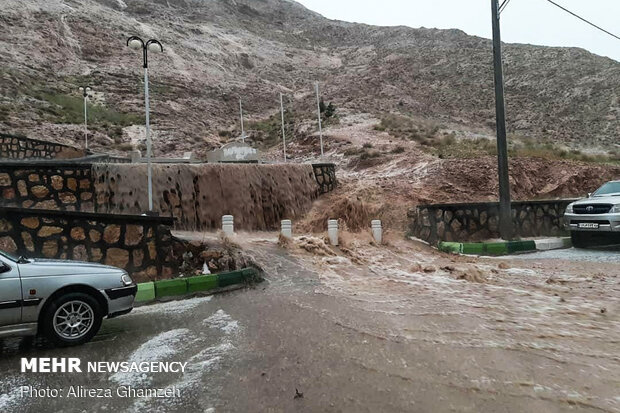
366 333
599 254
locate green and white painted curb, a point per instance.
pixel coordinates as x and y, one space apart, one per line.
504 248
150 291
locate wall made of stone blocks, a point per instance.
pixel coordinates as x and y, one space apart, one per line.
20 147
480 221
139 244
46 185
325 175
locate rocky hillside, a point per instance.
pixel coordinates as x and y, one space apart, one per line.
218 50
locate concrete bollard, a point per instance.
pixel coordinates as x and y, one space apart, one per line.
332 231
287 228
377 231
228 225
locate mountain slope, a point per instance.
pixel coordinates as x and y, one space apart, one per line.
217 50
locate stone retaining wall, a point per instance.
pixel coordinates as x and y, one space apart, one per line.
480 221
258 195
325 175
141 245
47 185
20 147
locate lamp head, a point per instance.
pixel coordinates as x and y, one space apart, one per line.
155 46
134 44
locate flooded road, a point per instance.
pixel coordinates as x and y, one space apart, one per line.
365 328
600 254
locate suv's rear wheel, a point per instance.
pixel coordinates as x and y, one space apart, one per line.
581 239
72 319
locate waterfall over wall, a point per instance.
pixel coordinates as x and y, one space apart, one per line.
258 196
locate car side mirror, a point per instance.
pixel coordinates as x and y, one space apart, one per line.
589 194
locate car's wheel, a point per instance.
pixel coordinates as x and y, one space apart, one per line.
72 319
580 239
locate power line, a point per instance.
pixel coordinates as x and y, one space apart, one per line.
503 6
581 18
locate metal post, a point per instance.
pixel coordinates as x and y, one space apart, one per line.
148 139
318 108
241 115
505 215
283 134
85 123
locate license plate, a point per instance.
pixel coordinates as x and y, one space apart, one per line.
588 225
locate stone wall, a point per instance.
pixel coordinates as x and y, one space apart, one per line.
480 221
325 175
141 245
47 185
259 196
20 147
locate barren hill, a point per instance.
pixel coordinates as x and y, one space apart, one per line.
218 50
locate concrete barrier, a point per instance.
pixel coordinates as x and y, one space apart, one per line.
377 231
332 231
201 283
287 228
228 225
503 248
146 292
164 288
230 278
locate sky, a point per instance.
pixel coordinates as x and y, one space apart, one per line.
523 21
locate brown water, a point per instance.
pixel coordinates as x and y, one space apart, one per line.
369 330
258 196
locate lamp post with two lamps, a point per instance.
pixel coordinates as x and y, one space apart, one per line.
152 45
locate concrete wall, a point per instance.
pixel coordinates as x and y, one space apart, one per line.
479 221
20 147
141 245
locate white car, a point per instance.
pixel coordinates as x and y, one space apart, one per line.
598 215
63 300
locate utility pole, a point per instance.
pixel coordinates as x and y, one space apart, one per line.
505 214
318 108
283 134
241 115
85 91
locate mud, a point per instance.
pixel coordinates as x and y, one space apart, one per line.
258 196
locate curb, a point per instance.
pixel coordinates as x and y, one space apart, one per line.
150 291
504 248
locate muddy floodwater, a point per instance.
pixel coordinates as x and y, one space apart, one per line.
399 328
367 328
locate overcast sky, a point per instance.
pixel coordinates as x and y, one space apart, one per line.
523 21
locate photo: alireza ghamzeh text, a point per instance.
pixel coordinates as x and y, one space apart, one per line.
309 206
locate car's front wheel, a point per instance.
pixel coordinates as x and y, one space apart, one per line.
72 319
581 239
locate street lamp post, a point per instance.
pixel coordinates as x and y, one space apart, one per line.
85 90
318 108
283 134
154 46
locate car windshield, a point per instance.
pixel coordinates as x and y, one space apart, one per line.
9 256
610 188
